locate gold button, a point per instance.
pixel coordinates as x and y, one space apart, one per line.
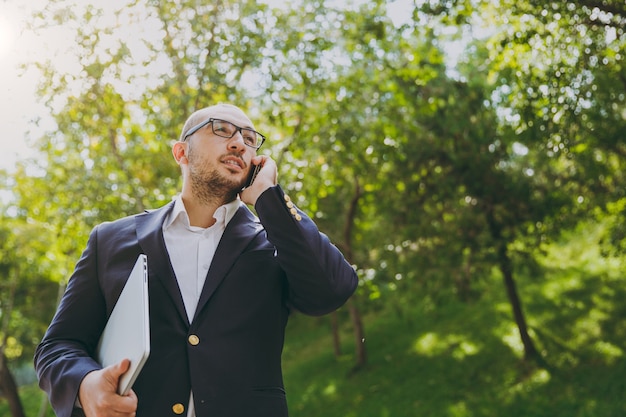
293 211
193 340
287 199
289 204
178 408
298 217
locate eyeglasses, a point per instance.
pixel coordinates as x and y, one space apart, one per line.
225 129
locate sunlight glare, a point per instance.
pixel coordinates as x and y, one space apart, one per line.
456 345
512 339
7 35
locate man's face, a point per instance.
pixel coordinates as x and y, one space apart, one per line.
219 165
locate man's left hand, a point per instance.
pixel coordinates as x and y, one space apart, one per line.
266 178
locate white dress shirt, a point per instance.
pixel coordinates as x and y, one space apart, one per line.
191 250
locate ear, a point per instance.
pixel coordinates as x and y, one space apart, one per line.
179 150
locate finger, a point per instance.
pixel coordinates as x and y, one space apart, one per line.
123 404
98 392
131 394
123 366
115 371
258 160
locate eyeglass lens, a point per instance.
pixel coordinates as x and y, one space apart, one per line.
228 130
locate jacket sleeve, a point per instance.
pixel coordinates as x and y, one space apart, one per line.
63 357
320 280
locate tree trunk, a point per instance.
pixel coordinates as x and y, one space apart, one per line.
355 315
334 321
359 335
504 264
530 352
463 279
9 389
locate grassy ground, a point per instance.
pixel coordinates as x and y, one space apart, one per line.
454 359
460 362
465 360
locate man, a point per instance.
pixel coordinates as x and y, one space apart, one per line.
221 285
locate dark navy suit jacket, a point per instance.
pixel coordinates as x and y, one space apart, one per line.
260 271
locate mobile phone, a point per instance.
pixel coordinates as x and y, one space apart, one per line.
252 176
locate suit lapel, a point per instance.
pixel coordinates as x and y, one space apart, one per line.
238 233
150 236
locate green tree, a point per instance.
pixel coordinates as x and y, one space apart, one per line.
553 155
26 296
116 118
426 176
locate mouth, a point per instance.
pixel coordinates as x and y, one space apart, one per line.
233 161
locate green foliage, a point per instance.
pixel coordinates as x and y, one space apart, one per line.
614 240
27 295
33 401
553 65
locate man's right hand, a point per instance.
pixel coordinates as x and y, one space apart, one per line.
98 393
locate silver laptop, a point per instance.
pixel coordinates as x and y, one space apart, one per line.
127 332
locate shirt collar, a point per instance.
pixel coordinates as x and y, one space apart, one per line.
224 213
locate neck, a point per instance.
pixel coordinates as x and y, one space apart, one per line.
201 210
204 190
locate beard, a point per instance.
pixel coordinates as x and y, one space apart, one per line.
208 184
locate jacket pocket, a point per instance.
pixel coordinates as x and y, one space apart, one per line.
269 391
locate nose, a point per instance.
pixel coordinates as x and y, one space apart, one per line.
237 142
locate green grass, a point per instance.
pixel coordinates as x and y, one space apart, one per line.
465 359
446 358
454 362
